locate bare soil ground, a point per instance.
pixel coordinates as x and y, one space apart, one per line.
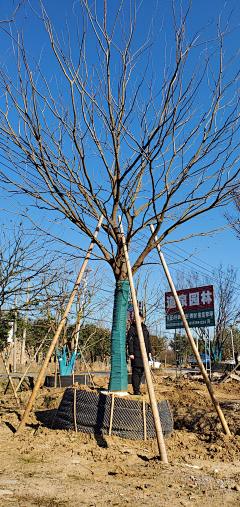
49 468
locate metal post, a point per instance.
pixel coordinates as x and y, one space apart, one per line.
59 329
156 418
232 345
210 363
192 342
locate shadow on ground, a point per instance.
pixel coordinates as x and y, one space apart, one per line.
46 417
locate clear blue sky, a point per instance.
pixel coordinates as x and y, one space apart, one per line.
223 247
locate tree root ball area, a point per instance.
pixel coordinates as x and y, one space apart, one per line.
46 467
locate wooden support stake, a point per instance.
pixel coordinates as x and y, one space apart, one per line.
192 342
74 409
144 421
55 373
34 357
229 374
156 418
6 388
89 373
111 416
10 379
153 376
59 329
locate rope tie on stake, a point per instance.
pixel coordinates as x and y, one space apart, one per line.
156 418
191 340
59 329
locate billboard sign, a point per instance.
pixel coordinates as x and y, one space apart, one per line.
197 304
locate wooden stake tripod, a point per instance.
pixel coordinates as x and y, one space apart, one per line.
192 342
59 329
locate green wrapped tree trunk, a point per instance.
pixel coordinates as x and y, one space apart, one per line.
118 378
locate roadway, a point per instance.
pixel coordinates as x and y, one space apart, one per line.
167 371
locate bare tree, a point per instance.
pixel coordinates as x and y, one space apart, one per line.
25 269
105 136
21 261
150 292
228 313
234 217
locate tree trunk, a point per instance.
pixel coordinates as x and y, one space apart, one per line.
220 349
118 377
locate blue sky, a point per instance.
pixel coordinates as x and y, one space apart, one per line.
223 247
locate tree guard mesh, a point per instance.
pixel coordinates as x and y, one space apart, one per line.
67 380
93 415
118 377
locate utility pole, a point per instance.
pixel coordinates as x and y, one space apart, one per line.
166 353
15 338
233 355
85 281
197 341
25 325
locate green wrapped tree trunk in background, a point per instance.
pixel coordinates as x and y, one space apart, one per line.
118 378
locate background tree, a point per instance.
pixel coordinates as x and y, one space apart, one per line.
23 261
37 329
151 295
159 345
228 351
5 328
95 342
185 347
90 300
228 313
106 136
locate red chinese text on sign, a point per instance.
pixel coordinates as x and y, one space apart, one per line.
194 299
